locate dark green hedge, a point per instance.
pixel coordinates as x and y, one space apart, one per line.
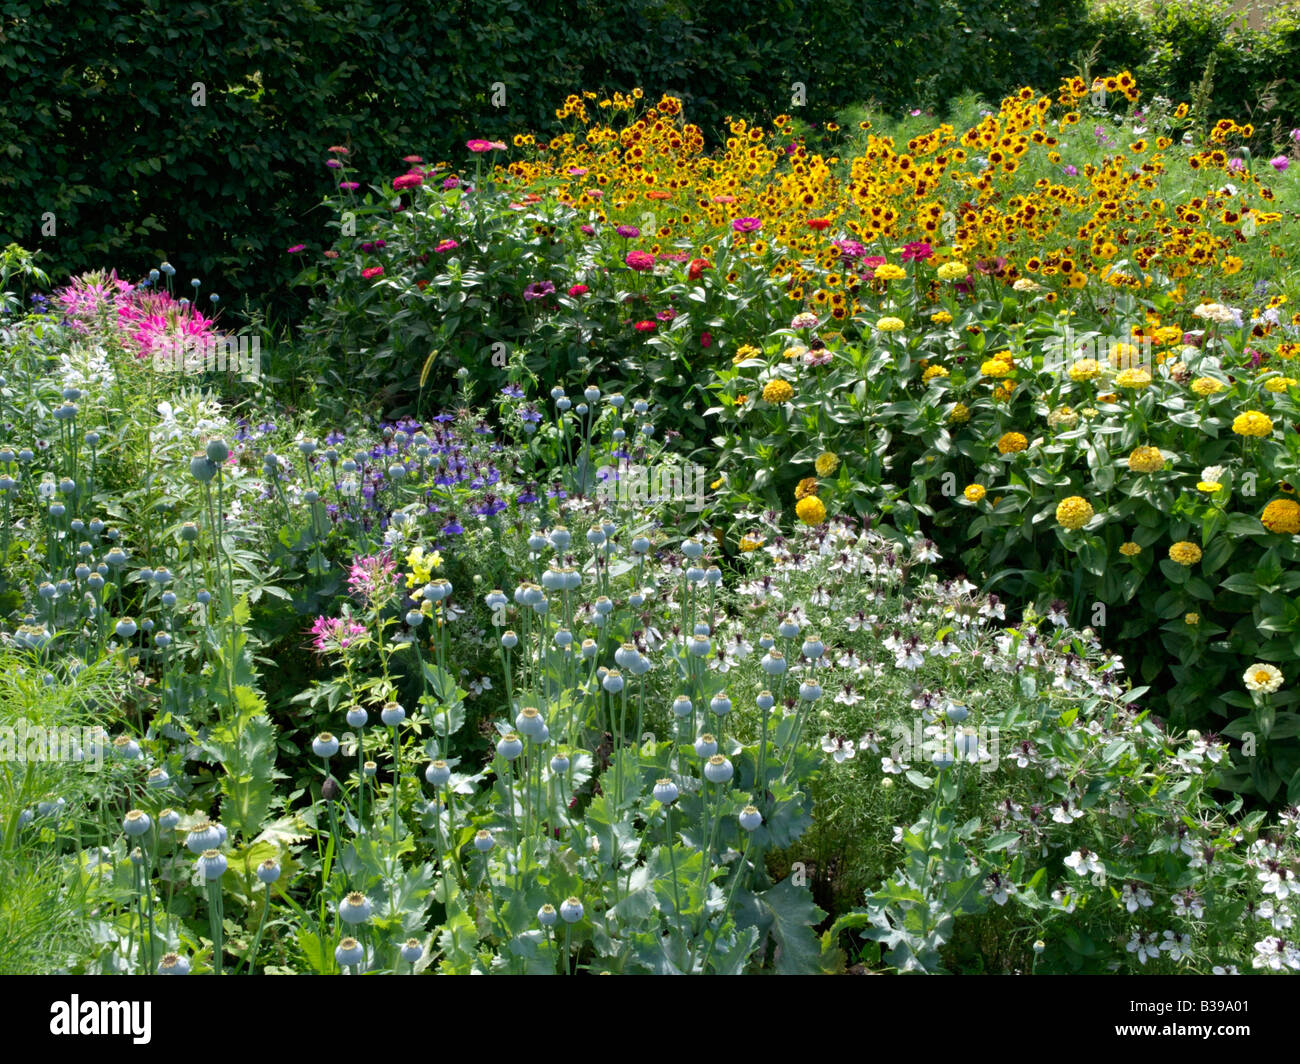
98 127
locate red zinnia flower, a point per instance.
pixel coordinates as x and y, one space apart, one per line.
706 339
578 290
410 180
372 271
819 223
646 326
697 267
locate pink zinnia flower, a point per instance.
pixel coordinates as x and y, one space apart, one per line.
372 271
411 159
451 182
1236 165
640 260
297 248
411 180
479 145
646 326
334 164
747 225
447 245
579 290
1280 163
349 186
706 339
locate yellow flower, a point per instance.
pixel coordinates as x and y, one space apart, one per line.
798 351
941 317
1012 443
811 510
888 324
1146 460
1252 423
745 351
1282 516
1073 513
826 464
1207 386
1208 486
995 367
960 413
1125 356
1191 618
931 372
1280 384
1005 390
949 271
974 492
1063 417
751 541
1130 549
778 391
890 272
422 566
1133 378
1085 369
805 488
1185 553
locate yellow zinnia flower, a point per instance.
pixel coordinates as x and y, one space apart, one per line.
1185 553
931 372
826 464
1252 423
949 271
1085 369
1146 460
941 317
1012 443
888 324
960 413
974 492
1130 549
1207 386
890 272
1133 378
1282 516
811 510
1073 513
995 367
778 391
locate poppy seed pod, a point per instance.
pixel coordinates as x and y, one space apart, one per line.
718 769
325 745
510 746
438 773
750 818
412 950
349 952
173 964
706 746
483 841
571 910
354 909
665 792
546 915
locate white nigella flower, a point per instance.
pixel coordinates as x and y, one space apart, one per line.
1134 897
997 888
1276 880
891 767
1276 954
847 696
1064 900
1188 903
1084 862
1220 969
1277 915
840 748
1144 945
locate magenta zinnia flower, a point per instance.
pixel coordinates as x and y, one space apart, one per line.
747 225
446 245
479 145
640 260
